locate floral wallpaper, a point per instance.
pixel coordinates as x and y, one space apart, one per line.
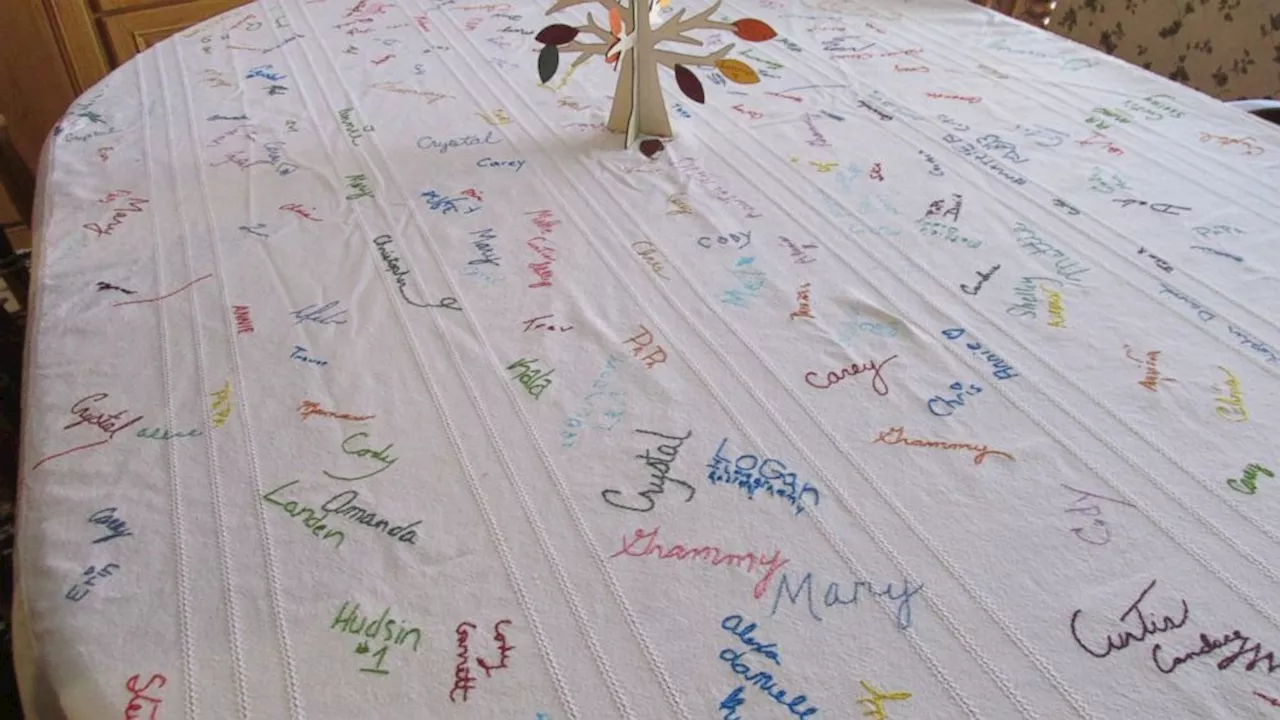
1226 48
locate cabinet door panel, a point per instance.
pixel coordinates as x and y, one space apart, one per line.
128 34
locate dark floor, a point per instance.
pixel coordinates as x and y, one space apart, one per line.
9 707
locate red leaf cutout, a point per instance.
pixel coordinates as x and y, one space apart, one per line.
689 84
753 30
651 147
556 34
548 62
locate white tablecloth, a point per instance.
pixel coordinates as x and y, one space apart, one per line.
932 376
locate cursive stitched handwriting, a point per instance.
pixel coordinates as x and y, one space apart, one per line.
312 521
716 556
1147 626
392 262
463 680
661 467
382 456
875 700
484 245
832 598
300 354
896 435
1249 485
1003 370
1093 511
504 650
402 533
443 146
878 383
651 255
309 408
983 277
1152 376
1232 408
320 314
949 404
118 216
106 517
138 694
537 324
84 409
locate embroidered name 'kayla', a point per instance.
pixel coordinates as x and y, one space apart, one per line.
754 561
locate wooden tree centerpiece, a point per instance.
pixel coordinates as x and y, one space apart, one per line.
632 41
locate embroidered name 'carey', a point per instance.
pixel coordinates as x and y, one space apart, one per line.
878 382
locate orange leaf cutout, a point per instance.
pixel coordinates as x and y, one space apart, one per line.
615 22
753 30
737 71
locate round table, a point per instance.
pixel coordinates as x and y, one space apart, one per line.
924 372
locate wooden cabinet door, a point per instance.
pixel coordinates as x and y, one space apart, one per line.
128 34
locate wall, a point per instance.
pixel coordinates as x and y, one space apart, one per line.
1226 48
